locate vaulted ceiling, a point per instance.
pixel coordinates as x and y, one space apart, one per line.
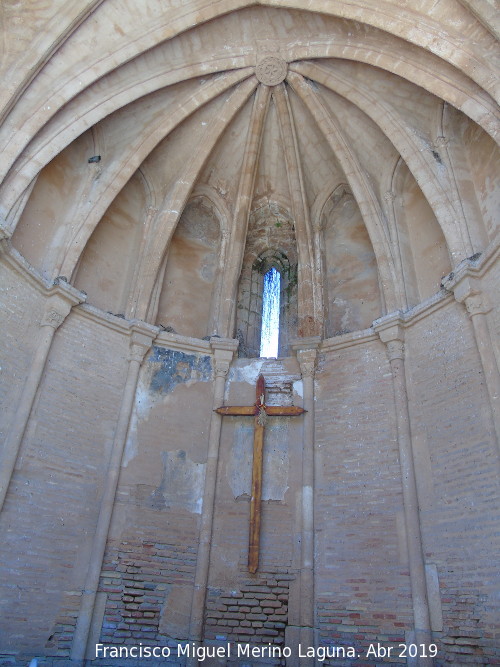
119 115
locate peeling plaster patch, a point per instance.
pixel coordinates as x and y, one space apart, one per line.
276 460
176 368
182 483
165 369
143 403
298 388
248 372
239 466
176 611
131 446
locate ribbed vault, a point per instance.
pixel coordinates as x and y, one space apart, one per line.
231 107
160 158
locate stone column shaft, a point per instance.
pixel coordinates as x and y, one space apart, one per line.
477 309
411 508
140 344
393 338
307 550
467 289
57 308
306 356
223 354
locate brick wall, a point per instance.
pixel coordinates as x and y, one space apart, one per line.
136 578
150 560
21 309
51 507
458 481
362 578
256 612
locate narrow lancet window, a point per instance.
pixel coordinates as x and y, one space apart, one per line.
270 314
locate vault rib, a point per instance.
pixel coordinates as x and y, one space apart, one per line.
415 153
238 231
62 129
173 204
310 301
360 187
118 176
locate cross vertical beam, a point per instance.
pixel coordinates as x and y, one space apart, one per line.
260 411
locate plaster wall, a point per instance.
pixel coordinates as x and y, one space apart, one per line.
483 153
106 267
192 268
49 215
352 296
149 566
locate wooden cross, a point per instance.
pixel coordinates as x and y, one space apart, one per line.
260 411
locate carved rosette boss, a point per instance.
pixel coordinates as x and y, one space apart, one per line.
271 70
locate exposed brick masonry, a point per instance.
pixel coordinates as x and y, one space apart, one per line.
256 612
136 577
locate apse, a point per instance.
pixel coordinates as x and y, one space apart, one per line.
180 183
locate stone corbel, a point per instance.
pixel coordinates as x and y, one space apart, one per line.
142 336
467 290
61 298
306 350
390 327
224 349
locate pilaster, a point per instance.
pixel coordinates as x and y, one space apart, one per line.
302 604
223 350
61 297
391 333
467 289
141 339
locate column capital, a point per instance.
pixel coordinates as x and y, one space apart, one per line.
390 327
224 349
306 350
395 349
467 289
60 300
477 304
142 336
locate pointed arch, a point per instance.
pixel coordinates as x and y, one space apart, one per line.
358 183
416 153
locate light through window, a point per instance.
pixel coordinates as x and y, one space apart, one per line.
270 314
